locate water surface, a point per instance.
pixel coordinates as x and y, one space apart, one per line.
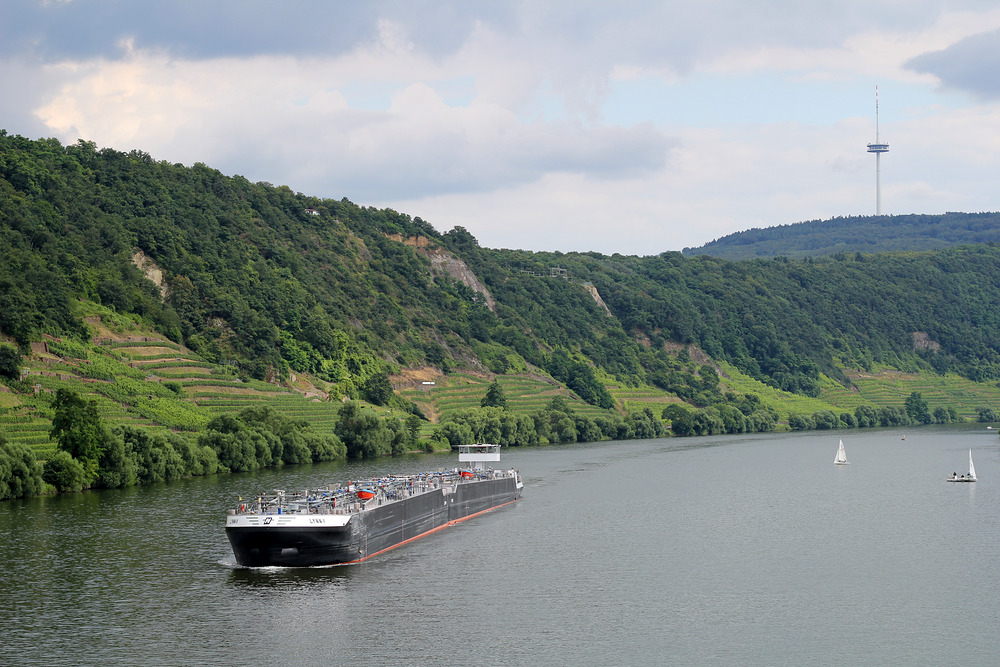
750 550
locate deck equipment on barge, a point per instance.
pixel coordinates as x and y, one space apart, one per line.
353 522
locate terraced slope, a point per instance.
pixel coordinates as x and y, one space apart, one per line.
143 380
459 391
892 388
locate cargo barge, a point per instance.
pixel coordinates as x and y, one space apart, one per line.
350 523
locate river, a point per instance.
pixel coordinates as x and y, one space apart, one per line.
725 550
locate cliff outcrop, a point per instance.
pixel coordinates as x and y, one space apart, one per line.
443 262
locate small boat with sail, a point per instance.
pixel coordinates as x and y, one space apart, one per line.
841 458
971 477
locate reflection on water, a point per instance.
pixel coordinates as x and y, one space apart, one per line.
289 577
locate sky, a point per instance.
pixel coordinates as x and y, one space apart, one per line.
633 127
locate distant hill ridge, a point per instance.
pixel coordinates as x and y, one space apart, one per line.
867 234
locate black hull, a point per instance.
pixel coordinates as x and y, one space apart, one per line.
369 532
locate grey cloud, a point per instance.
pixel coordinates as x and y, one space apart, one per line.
589 32
24 88
677 34
187 28
442 164
609 153
199 29
971 64
612 152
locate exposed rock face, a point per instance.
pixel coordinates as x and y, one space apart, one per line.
597 297
151 270
443 262
415 241
921 341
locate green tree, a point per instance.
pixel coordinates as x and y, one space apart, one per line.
377 389
682 424
398 436
65 473
986 415
78 430
891 415
233 452
324 447
916 408
645 424
709 377
564 430
825 419
457 433
708 422
941 415
800 423
866 415
848 420
117 467
20 472
237 448
560 404
10 362
413 428
157 460
495 397
681 421
362 431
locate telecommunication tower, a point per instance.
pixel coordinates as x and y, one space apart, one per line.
878 148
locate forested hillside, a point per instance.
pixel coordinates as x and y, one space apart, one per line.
258 283
884 233
784 321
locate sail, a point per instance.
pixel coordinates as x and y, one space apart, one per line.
841 454
972 468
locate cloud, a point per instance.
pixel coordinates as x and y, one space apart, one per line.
195 29
720 180
970 64
713 183
279 118
187 28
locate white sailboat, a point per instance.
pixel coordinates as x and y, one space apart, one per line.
841 458
971 477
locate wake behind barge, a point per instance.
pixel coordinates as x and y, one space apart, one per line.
348 524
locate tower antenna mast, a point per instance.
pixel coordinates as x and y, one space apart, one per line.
878 148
